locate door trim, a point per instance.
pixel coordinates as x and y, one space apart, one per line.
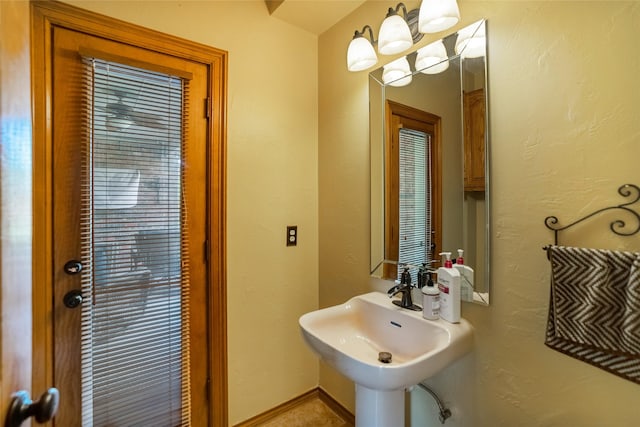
46 15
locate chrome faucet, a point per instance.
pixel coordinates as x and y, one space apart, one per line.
405 288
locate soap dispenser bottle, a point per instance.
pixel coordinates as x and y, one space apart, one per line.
430 298
466 277
449 287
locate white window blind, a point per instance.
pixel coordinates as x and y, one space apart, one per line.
135 331
415 199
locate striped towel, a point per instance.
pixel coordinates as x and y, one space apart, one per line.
594 308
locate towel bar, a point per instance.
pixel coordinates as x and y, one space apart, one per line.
618 226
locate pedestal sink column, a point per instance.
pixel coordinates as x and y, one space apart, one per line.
376 408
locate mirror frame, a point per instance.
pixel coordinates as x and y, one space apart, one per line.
377 113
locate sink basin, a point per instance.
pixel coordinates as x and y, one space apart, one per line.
350 337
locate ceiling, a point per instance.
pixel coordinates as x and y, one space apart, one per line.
315 16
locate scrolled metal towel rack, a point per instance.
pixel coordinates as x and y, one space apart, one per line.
629 191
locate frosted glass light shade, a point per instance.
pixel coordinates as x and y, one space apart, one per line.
394 36
360 54
397 73
471 42
437 15
432 59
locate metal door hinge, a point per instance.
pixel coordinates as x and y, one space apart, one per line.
207 107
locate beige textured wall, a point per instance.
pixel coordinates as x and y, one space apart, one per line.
565 134
272 182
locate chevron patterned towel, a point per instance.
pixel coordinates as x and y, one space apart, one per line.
594 308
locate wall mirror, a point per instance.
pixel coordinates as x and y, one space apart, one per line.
429 145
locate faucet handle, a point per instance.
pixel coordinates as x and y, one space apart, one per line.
391 292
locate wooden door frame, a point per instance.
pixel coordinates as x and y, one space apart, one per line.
44 16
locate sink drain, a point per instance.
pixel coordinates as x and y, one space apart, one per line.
384 357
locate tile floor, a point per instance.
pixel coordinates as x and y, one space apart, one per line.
313 413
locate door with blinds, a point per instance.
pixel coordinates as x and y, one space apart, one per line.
413 188
129 223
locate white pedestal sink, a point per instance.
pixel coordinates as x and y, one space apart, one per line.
351 336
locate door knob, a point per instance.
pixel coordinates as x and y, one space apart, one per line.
73 267
72 299
22 407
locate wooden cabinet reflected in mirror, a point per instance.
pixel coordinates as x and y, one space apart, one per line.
474 142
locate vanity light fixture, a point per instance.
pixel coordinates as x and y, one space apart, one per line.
395 35
432 59
438 15
471 42
399 33
361 54
397 73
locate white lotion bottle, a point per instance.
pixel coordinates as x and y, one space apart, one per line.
430 300
466 277
449 287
